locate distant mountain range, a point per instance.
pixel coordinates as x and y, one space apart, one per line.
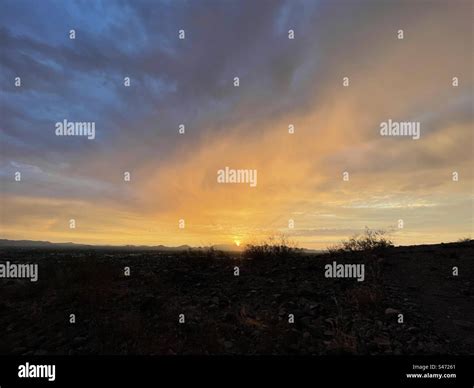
47 244
4 243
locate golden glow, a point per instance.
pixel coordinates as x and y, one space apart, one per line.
299 174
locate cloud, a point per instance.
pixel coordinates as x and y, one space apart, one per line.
189 82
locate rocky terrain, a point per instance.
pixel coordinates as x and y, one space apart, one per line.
244 315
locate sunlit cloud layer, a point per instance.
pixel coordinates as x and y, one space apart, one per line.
190 82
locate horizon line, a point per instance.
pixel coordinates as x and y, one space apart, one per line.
4 244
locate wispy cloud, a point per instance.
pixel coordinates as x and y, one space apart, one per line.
190 82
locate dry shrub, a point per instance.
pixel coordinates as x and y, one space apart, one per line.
273 247
370 240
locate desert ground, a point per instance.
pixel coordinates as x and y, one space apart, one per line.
240 315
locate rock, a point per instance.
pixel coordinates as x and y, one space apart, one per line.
307 321
302 302
229 317
305 288
382 341
391 311
464 324
79 340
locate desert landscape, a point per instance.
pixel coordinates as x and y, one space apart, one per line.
192 302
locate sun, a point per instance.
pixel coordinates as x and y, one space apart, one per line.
237 242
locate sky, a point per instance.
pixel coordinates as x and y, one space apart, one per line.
282 82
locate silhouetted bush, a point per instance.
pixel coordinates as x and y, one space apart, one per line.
370 240
273 247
